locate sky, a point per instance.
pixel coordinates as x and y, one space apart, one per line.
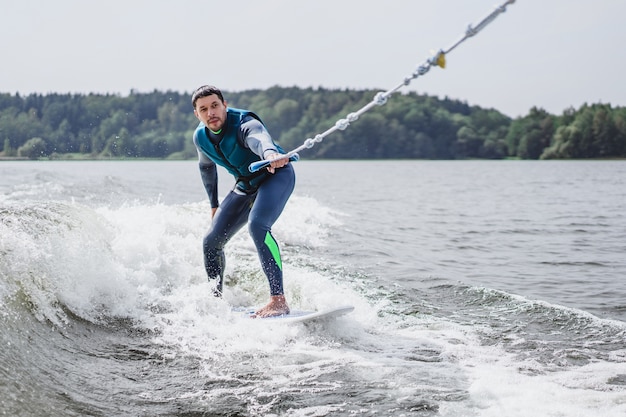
553 55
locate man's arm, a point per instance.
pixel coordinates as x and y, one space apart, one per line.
208 173
257 138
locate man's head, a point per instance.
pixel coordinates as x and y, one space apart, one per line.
209 107
205 90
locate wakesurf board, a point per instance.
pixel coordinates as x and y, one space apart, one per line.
305 316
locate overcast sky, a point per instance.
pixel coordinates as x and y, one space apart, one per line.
552 54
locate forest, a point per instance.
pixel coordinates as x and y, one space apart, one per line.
409 126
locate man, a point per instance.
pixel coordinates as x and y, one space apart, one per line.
235 138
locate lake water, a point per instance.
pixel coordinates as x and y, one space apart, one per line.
481 288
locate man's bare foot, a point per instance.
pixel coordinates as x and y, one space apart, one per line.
276 307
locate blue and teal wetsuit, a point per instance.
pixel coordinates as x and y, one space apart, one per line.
257 198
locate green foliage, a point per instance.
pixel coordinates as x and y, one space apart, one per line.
596 131
160 125
8 149
530 135
34 148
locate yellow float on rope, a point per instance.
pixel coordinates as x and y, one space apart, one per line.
441 60
438 58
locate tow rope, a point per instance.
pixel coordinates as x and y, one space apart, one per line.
438 59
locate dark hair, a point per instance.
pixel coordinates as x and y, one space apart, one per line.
204 91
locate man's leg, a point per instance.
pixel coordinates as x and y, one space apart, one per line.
228 220
270 202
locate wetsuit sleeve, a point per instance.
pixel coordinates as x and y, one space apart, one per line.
208 173
257 138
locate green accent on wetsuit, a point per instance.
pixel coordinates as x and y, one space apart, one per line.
273 247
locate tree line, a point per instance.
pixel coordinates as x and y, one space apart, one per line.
160 125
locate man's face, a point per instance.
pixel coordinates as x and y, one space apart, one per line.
211 111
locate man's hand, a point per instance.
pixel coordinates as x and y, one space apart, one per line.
276 163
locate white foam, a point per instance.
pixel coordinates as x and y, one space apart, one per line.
305 222
503 386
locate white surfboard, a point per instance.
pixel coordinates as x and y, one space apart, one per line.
302 316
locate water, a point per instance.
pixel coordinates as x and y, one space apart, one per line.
482 288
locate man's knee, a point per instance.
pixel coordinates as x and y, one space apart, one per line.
212 242
257 230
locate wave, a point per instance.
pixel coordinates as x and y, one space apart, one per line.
554 336
104 262
107 301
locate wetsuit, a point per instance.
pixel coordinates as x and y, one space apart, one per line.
257 198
